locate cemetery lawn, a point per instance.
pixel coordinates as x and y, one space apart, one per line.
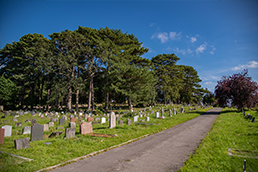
230 131
61 150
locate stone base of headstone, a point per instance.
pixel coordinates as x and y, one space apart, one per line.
22 143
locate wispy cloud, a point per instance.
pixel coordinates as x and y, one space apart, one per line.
251 64
193 39
152 24
208 83
201 48
164 36
213 49
175 36
183 51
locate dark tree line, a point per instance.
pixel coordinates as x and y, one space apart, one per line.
91 66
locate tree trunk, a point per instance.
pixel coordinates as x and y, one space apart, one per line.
57 99
90 93
77 101
164 92
106 101
170 103
48 96
41 92
92 96
69 100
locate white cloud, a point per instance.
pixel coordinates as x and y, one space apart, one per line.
183 51
162 36
175 36
201 48
208 83
193 39
213 49
152 24
251 64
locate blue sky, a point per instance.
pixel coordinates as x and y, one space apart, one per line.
215 37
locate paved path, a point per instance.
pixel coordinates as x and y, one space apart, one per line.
164 151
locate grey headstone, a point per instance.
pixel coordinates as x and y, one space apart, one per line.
129 122
34 121
112 122
46 127
70 133
22 143
37 132
51 124
54 119
15 119
117 118
61 121
18 124
65 117
6 114
26 130
7 131
72 125
97 119
120 122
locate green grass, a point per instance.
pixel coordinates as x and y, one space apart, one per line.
61 150
230 130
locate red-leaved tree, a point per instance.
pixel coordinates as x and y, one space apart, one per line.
237 89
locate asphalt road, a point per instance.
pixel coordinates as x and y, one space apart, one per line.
164 151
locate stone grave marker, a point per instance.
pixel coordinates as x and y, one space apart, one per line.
26 130
18 124
69 132
34 121
61 121
7 131
129 122
174 111
54 134
85 128
103 120
170 112
28 120
117 118
182 109
54 119
65 117
51 124
135 118
45 126
112 122
157 114
2 135
72 125
72 119
59 128
90 119
37 132
22 143
97 119
15 119
120 122
147 118
6 114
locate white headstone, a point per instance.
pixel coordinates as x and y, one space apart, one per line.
7 130
103 120
112 122
157 114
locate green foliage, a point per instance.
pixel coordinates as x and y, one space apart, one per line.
7 92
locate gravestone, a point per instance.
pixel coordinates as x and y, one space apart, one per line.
2 135
120 122
129 122
18 124
72 125
174 111
37 132
15 119
34 121
170 112
103 120
45 126
59 128
182 109
22 143
7 131
54 134
157 114
65 117
54 119
117 118
72 119
69 132
90 119
28 120
112 122
147 118
85 128
6 114
97 119
152 112
135 118
26 130
61 121
51 124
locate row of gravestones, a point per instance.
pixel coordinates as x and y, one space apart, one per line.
248 116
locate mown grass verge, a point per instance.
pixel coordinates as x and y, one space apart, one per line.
61 150
230 131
